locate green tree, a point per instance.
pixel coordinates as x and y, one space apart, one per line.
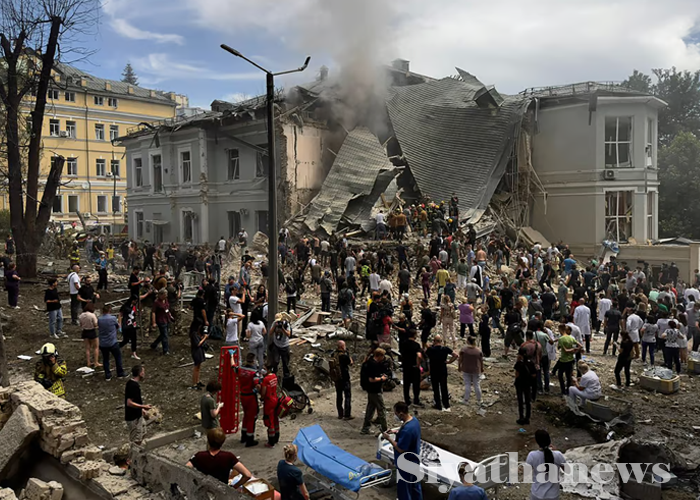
681 91
129 75
679 172
639 81
34 34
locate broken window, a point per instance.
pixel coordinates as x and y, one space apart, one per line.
58 204
233 164
618 215
139 224
157 163
262 219
101 204
262 165
73 204
618 142
186 166
188 226
650 143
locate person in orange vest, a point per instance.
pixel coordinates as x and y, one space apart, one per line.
268 394
249 382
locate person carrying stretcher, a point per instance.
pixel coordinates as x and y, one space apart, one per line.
249 381
271 418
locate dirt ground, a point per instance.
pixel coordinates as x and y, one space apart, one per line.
668 419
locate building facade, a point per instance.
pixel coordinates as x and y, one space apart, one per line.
596 159
84 114
207 175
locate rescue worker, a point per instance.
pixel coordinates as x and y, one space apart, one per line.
51 370
268 394
74 256
249 380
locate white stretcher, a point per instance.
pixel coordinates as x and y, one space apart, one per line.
442 466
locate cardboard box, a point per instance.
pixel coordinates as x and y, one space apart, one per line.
663 386
259 483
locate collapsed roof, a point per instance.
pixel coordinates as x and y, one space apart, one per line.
360 175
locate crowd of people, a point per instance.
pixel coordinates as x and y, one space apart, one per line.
541 302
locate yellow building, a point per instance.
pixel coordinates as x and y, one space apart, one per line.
83 115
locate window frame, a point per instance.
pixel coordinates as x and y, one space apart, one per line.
77 203
99 131
260 163
617 218
54 127
617 142
161 187
112 102
72 129
650 216
185 179
113 132
112 163
72 160
233 172
54 94
649 149
139 224
138 170
103 198
100 172
118 204
69 96
98 100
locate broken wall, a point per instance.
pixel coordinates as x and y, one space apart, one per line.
301 152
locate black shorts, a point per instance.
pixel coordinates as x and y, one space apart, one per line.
198 356
425 334
89 334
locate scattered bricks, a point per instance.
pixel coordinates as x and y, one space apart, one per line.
87 453
56 490
15 436
37 489
42 403
7 494
84 471
117 471
56 426
114 485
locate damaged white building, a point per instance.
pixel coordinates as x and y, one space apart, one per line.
576 163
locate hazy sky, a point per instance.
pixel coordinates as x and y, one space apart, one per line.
174 44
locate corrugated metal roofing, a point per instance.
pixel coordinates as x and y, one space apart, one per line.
450 143
117 87
360 169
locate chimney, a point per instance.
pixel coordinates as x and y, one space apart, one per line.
323 73
108 86
401 65
83 82
130 89
153 93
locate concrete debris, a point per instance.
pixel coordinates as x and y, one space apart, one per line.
260 243
153 416
590 456
7 494
17 434
37 489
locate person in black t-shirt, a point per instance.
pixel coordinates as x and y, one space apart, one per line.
411 357
135 282
343 385
86 293
128 315
53 307
289 476
199 311
611 327
133 405
549 300
221 465
438 355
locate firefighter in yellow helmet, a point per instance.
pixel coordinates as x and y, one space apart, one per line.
51 370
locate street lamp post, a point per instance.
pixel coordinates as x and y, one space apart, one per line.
273 281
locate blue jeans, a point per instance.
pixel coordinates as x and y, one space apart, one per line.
55 321
117 353
162 338
651 346
408 491
216 273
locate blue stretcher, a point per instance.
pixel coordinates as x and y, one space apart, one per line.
341 468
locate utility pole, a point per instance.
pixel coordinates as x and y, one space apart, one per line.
273 265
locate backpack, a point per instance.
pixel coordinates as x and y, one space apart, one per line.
345 297
432 320
334 371
364 376
497 303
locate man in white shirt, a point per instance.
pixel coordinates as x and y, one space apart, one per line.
374 281
350 265
74 287
381 228
634 324
234 301
221 245
692 291
604 305
582 319
385 286
588 387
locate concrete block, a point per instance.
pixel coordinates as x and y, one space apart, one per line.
7 494
15 436
36 489
137 493
84 471
88 453
56 490
114 485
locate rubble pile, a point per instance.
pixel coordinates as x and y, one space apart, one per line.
62 433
